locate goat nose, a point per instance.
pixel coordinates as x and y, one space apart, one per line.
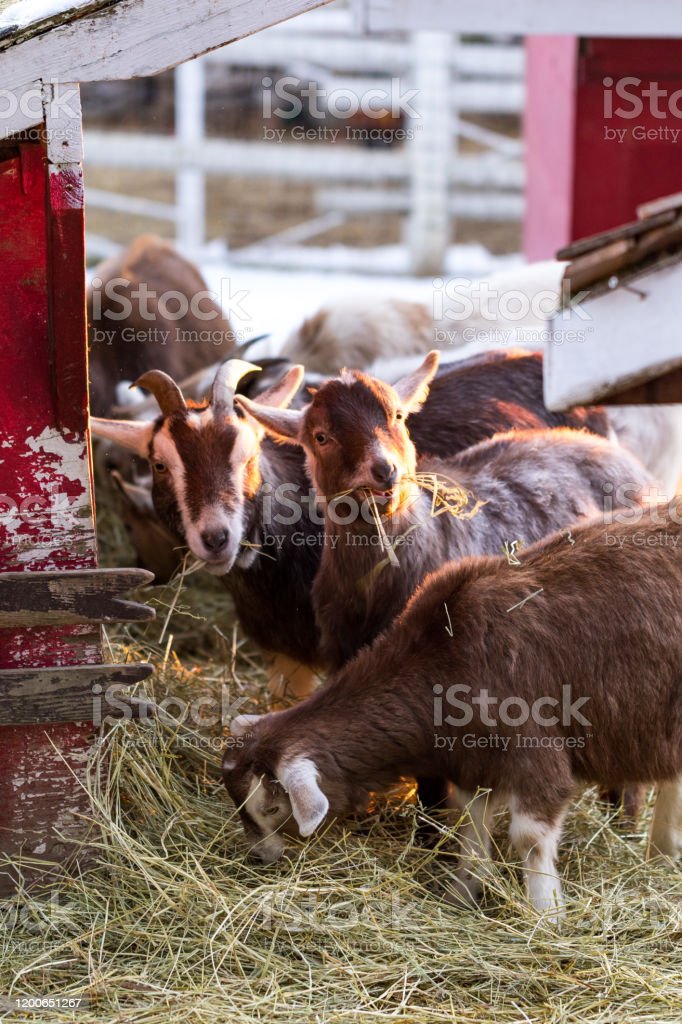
384 473
214 540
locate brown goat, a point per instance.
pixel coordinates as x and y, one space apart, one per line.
274 548
359 451
130 333
357 445
525 681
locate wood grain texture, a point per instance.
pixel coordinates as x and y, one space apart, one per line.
630 339
632 230
130 39
45 485
657 18
70 598
75 693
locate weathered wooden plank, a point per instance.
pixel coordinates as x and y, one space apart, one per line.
657 18
663 390
666 204
598 265
74 693
626 254
635 228
126 40
47 521
612 352
70 598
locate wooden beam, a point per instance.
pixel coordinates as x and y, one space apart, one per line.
71 598
631 18
73 693
666 390
633 230
621 344
129 40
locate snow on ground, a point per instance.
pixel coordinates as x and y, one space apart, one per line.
273 300
277 299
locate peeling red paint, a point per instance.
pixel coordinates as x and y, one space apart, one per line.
44 469
66 190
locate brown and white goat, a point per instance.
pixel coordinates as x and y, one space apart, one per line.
133 327
216 487
258 491
522 681
358 449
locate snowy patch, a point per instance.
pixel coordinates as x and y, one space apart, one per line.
31 12
279 300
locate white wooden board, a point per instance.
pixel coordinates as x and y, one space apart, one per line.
137 38
633 335
633 18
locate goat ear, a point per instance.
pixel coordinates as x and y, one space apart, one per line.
309 805
243 724
414 388
136 497
280 394
282 424
132 434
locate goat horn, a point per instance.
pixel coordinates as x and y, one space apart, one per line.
226 380
164 389
242 349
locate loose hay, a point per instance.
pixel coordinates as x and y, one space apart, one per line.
172 924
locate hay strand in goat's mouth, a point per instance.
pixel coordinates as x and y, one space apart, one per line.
447 497
386 544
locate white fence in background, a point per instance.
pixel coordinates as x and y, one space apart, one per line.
426 178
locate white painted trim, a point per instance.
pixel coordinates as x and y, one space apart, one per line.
622 18
62 117
629 339
21 108
295 160
142 37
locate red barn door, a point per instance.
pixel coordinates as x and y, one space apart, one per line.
46 519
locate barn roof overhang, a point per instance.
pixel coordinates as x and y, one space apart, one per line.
73 41
618 337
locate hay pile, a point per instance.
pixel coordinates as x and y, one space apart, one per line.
171 924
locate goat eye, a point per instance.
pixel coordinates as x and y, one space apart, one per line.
321 438
160 467
400 415
272 810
